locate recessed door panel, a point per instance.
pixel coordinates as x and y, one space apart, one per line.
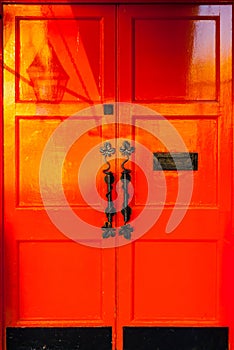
68 283
180 60
65 42
200 134
179 279
67 47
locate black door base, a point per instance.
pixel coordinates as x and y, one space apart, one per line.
135 338
81 338
175 338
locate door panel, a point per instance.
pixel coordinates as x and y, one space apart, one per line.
189 289
198 134
179 66
175 48
78 38
54 67
180 58
54 294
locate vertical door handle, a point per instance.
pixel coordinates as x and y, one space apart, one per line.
108 230
126 230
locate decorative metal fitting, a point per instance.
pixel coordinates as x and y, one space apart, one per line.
107 150
126 231
108 230
126 150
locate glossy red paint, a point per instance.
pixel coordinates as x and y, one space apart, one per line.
175 59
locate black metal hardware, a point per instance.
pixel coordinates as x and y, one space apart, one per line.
108 109
175 161
126 230
126 211
108 230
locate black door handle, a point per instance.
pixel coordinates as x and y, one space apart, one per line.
108 230
126 230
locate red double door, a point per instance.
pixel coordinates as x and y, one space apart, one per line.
159 74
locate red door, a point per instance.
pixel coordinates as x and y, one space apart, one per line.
55 58
163 74
177 61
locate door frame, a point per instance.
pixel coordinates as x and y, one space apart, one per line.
71 2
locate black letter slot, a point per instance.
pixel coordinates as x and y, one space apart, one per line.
175 161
